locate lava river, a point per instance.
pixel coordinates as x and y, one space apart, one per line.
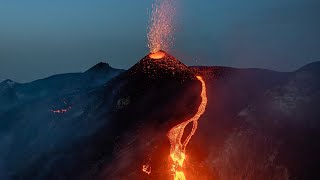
178 147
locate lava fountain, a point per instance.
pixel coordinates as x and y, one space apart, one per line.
161 29
178 147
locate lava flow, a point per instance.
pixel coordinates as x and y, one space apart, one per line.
178 148
62 110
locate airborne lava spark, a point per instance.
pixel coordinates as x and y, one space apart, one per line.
178 148
161 29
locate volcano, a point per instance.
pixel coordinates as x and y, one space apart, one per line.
163 67
169 93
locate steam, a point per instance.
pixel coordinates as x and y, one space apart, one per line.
161 27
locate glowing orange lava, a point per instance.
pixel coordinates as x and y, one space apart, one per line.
60 111
178 148
157 55
146 169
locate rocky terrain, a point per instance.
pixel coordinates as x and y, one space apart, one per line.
106 123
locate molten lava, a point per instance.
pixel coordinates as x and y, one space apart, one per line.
146 169
157 55
178 148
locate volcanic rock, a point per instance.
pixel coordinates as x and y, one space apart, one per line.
167 67
158 82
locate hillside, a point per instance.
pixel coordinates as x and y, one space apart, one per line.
258 124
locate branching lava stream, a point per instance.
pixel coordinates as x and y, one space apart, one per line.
178 148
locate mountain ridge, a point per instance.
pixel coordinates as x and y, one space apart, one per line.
56 85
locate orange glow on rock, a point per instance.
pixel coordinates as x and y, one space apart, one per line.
178 148
157 55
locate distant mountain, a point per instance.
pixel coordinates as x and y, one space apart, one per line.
8 83
7 94
57 85
259 124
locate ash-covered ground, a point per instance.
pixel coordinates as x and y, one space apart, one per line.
106 123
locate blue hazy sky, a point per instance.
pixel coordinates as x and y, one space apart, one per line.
39 38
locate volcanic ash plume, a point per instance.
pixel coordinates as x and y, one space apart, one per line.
161 28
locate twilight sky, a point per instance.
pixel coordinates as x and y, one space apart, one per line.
39 38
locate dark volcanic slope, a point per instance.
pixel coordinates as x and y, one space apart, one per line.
29 128
157 82
260 120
